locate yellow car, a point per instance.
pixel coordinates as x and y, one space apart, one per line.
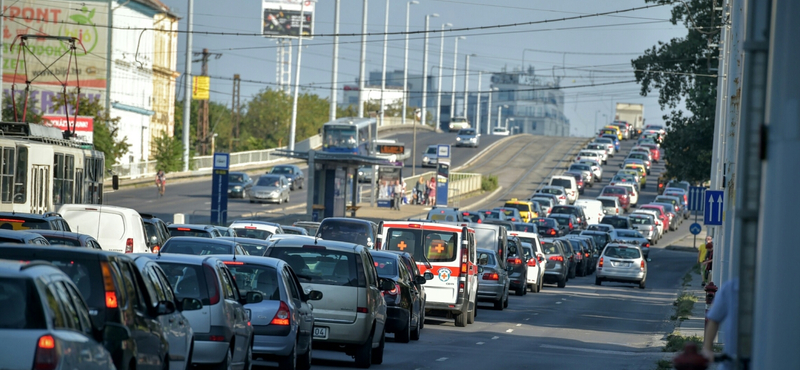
616 130
526 208
642 179
637 167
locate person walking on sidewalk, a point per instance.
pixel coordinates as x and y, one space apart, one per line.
432 192
707 262
420 189
398 194
723 313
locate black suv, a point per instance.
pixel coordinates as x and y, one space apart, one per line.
116 294
619 222
517 266
156 231
572 210
24 221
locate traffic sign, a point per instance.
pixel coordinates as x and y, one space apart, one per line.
696 198
713 202
443 151
695 228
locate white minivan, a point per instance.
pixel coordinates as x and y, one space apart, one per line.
569 184
593 209
117 229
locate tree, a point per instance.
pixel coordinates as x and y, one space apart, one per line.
8 109
266 121
680 71
105 128
168 152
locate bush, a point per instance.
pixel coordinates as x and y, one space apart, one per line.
683 306
676 342
488 182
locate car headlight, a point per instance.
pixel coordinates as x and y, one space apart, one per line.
237 188
458 138
360 173
425 159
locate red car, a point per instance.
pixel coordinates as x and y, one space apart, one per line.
620 192
662 215
655 153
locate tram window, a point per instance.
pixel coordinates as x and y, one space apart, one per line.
21 180
79 186
58 178
7 174
69 178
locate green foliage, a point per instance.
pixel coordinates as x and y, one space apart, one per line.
8 109
683 306
168 151
488 182
679 70
105 128
663 364
266 121
676 342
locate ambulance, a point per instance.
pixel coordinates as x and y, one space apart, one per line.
449 253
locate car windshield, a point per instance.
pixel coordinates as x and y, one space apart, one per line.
466 132
251 277
268 181
188 281
185 231
424 245
485 259
195 248
431 150
622 252
235 178
319 265
22 308
282 170
345 231
65 241
387 267
252 232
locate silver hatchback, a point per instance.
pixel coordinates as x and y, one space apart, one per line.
468 137
621 263
270 188
494 283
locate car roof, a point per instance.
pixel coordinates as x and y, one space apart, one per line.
255 260
201 240
63 251
65 234
178 258
18 234
386 254
310 240
190 226
241 239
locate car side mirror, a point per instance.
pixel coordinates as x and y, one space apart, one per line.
252 297
386 284
428 275
420 280
314 295
480 269
189 304
165 308
115 333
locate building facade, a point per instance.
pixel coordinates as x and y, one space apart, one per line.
394 91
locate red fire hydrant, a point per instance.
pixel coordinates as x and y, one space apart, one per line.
690 359
711 292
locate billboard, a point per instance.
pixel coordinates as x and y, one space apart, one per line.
281 18
83 20
84 126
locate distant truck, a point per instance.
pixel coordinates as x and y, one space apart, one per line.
633 114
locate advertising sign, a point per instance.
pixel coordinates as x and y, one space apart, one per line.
84 126
200 87
281 18
442 183
219 189
84 20
388 176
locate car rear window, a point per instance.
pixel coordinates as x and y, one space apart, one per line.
640 220
424 245
19 312
608 202
614 190
525 227
345 231
599 239
622 252
470 217
252 249
551 191
319 265
565 210
386 267
149 230
522 207
629 234
195 248
440 215
251 277
182 231
492 214
252 233
20 223
542 202
549 248
485 259
188 281
59 240
617 222
431 150
566 184
545 222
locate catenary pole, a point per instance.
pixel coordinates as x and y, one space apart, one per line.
362 71
335 61
383 70
293 124
405 63
187 91
439 78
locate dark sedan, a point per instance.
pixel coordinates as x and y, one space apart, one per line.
548 227
199 246
68 239
239 184
292 173
403 304
519 266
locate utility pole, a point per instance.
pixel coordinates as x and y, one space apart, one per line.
335 73
237 89
187 91
478 108
362 71
202 113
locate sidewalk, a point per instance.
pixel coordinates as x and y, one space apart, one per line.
407 211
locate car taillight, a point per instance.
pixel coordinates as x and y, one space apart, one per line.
464 260
515 261
156 248
216 338
617 209
586 254
557 258
561 197
641 266
532 262
646 245
570 225
491 276
211 284
552 231
600 264
108 286
461 286
46 354
395 290
362 310
129 245
649 228
282 317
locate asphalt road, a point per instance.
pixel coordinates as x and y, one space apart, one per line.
583 326
194 197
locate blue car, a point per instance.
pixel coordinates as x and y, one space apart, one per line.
615 139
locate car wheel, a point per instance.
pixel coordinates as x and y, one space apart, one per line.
252 201
422 318
289 361
642 284
573 272
471 316
505 302
461 319
417 328
364 354
562 282
498 305
541 284
377 353
226 363
304 361
519 291
404 335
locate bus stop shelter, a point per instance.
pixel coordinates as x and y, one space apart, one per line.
331 177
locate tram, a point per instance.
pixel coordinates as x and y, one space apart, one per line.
41 170
349 135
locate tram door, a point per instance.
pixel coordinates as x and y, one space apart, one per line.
40 188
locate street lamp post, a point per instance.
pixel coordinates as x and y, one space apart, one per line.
383 70
335 72
405 63
595 122
478 108
362 72
424 92
293 123
466 82
489 111
439 79
455 69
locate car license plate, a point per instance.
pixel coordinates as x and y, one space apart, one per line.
320 332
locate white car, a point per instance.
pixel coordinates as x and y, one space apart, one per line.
546 204
499 131
569 184
589 154
597 168
558 191
536 260
117 229
592 208
256 229
600 149
621 263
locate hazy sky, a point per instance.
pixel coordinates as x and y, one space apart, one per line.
583 51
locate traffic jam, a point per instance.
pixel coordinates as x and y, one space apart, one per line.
105 287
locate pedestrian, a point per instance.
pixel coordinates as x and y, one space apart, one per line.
706 265
432 191
398 194
404 200
725 313
421 189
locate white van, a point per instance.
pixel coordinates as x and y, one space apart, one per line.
593 209
568 183
117 229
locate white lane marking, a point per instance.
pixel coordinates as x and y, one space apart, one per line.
563 299
559 302
441 359
601 351
510 331
207 203
495 337
527 318
479 343
519 324
534 314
